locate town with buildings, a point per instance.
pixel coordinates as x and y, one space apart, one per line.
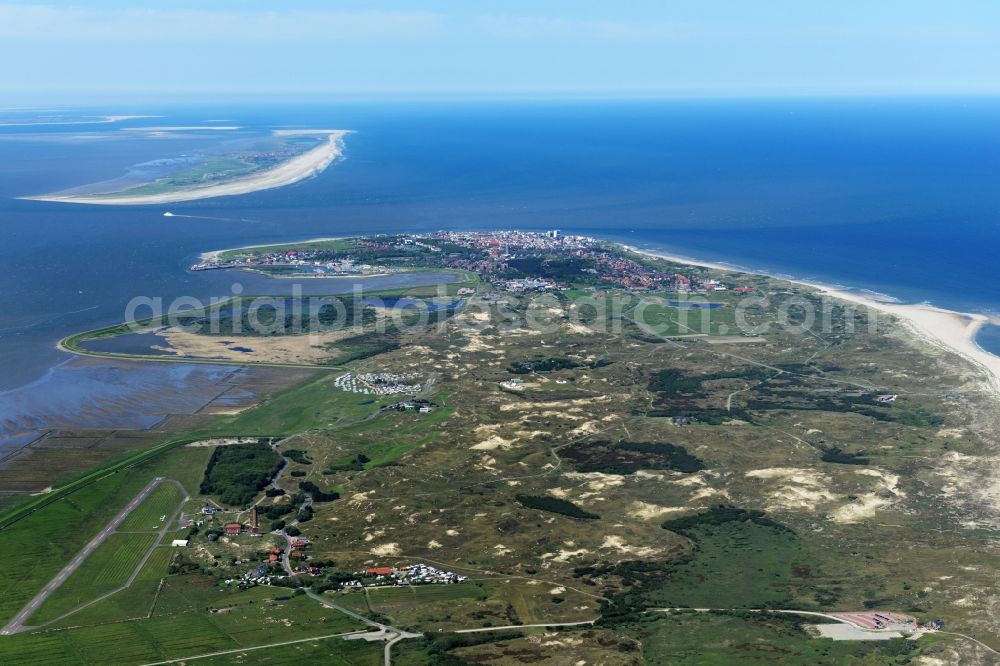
498 254
514 261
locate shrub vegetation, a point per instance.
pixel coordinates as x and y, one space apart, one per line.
555 505
238 472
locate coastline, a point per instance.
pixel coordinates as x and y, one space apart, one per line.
214 254
945 329
307 276
298 168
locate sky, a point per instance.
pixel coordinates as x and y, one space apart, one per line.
352 49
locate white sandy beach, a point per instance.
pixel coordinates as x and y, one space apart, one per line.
298 168
945 329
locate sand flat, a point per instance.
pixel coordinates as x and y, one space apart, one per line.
298 168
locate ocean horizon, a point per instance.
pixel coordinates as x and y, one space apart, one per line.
895 196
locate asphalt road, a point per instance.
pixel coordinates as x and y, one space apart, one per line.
391 635
17 625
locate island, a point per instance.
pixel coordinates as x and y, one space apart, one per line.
286 157
551 449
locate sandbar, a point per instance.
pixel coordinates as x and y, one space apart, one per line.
99 120
302 166
184 128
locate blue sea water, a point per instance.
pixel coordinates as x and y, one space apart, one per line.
898 196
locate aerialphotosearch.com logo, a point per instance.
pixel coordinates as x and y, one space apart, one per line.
614 313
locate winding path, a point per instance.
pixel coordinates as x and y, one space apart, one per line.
524 626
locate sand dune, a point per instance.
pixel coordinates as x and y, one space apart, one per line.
945 329
298 168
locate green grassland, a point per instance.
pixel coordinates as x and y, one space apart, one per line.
705 639
214 169
62 528
333 651
495 601
315 404
671 321
386 453
241 620
132 603
154 511
429 606
106 569
762 563
418 432
590 646
333 245
841 502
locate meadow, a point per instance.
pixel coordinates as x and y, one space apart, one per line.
64 526
179 626
712 474
706 639
154 511
105 570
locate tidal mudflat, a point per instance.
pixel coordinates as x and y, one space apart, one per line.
87 410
